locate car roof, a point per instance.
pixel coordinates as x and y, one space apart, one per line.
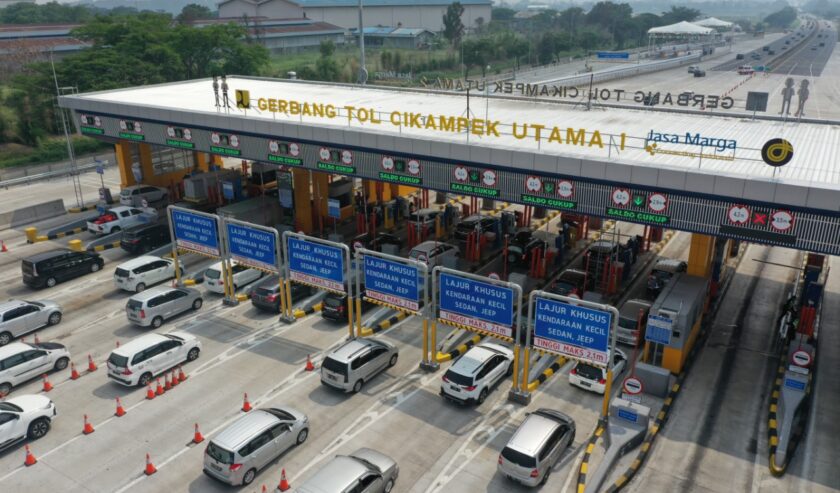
245 428
336 475
48 255
139 343
137 262
428 246
13 348
630 308
472 360
348 350
152 292
532 433
668 264
8 305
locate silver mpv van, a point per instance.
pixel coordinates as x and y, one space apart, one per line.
357 361
365 470
251 442
536 446
153 306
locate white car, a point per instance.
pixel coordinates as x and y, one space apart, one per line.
432 253
120 218
22 361
143 358
25 416
474 374
242 275
139 273
593 378
19 317
133 196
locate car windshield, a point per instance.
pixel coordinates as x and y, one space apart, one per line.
334 366
264 291
519 458
8 406
415 254
562 287
458 378
212 274
121 272
627 323
334 301
219 454
40 305
125 193
589 372
118 360
27 267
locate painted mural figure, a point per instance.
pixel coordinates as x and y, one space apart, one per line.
803 96
787 95
216 89
225 88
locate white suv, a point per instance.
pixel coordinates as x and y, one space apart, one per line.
242 275
25 416
432 253
594 378
142 272
474 374
22 361
133 196
141 359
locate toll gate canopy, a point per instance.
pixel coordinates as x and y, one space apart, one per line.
762 181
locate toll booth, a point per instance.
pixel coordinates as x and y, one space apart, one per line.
342 190
674 321
202 187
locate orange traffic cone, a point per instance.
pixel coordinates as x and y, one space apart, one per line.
284 483
197 437
309 365
3 249
88 428
150 393
150 468
159 390
47 385
246 406
30 459
118 343
120 410
167 385
74 374
174 378
35 337
264 490
91 364
181 376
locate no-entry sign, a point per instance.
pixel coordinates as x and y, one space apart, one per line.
632 385
801 358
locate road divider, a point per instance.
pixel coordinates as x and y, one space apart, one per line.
458 351
32 235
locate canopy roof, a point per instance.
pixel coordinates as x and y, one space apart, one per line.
680 28
713 22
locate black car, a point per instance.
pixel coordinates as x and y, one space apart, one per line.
50 268
739 56
376 244
699 73
266 294
662 272
335 306
522 245
570 282
144 238
469 225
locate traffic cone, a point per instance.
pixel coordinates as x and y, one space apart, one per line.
74 374
120 410
284 483
181 376
309 365
264 490
167 385
197 438
88 428
3 249
91 364
174 378
118 343
159 387
246 406
47 385
30 459
37 341
150 394
150 468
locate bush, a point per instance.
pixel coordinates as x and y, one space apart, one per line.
49 150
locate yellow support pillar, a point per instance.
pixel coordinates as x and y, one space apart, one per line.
386 192
404 191
123 153
700 255
146 164
202 160
370 191
303 202
393 189
217 160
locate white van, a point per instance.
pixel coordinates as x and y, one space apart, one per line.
139 273
143 358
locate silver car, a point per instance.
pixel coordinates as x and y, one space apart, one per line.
356 362
364 470
22 361
19 317
134 195
236 454
153 306
536 446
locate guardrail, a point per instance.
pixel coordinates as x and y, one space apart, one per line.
623 72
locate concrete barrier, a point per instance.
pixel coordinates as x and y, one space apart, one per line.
31 214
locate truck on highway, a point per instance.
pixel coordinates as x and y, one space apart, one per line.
745 70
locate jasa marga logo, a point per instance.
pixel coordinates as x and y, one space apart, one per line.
777 152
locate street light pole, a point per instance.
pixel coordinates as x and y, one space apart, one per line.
363 73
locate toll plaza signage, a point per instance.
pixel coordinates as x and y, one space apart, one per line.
478 305
195 231
316 264
252 245
576 331
392 283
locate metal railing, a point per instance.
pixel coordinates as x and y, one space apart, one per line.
26 179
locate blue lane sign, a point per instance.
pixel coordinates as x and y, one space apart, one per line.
334 208
252 246
316 264
392 282
659 329
575 331
480 305
795 384
611 55
196 232
628 414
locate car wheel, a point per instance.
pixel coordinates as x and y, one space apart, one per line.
512 258
357 386
38 428
302 436
249 476
139 288
193 354
389 486
144 380
197 303
5 338
393 360
482 396
545 476
157 322
55 318
5 389
51 282
115 229
61 364
94 267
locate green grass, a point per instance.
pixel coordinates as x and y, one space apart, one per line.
49 150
